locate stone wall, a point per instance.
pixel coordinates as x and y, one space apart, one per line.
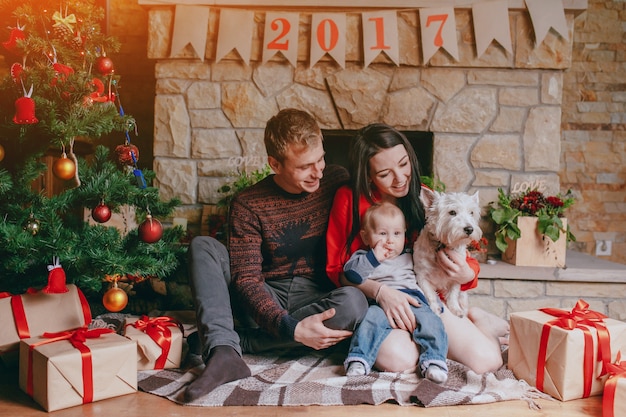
593 145
592 112
496 120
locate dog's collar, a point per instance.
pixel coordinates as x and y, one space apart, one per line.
437 243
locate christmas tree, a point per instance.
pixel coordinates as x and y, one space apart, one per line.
60 91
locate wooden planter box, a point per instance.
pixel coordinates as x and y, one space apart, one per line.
533 249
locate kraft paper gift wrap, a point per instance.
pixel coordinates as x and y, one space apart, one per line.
564 370
57 375
159 341
34 313
614 399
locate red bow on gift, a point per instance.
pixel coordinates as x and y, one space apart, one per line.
157 329
579 318
77 338
616 371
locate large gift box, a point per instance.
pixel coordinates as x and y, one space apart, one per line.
159 341
614 399
61 370
36 312
564 353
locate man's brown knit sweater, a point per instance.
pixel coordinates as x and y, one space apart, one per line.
275 235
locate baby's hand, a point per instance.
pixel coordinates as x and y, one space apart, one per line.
382 251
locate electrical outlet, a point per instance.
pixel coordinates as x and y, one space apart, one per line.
603 247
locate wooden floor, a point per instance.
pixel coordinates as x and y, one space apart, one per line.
14 402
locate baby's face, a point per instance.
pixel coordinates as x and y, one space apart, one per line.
389 232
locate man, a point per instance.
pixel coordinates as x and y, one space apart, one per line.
276 272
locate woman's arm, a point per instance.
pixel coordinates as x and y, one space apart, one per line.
339 225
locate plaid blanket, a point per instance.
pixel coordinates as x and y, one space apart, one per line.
299 378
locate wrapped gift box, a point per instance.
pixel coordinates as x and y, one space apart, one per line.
33 313
159 341
72 368
562 351
614 399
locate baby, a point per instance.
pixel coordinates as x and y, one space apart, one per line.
383 231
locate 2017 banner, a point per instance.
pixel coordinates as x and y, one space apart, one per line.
379 31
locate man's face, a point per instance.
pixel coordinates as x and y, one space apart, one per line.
301 170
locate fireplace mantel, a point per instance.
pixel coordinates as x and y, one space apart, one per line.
569 5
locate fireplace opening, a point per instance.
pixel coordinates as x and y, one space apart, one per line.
337 145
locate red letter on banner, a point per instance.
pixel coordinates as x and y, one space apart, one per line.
380 34
329 36
435 36
281 35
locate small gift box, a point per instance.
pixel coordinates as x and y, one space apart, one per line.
614 399
564 353
61 370
36 312
159 341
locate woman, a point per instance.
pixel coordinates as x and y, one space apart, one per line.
384 167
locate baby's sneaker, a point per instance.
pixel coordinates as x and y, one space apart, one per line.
436 374
355 368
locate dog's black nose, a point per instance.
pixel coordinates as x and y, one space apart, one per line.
468 230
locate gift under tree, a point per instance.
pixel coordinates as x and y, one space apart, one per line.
60 90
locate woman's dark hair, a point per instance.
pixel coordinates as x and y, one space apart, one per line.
368 142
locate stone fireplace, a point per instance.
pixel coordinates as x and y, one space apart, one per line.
495 120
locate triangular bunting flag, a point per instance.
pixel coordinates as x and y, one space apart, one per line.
328 36
235 32
438 31
546 14
281 35
190 27
380 34
491 22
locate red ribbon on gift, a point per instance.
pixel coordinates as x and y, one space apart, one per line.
579 318
157 329
19 313
77 338
616 371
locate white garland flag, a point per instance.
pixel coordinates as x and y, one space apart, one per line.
380 34
281 35
438 31
235 32
328 36
491 22
186 21
546 14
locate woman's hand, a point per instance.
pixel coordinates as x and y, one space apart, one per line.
396 306
455 265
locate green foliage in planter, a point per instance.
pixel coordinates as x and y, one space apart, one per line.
433 183
549 211
242 181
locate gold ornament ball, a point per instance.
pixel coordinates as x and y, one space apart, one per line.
1 152
32 226
115 299
64 168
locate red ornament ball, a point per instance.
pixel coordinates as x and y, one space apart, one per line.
104 65
151 230
1 152
64 168
125 154
101 213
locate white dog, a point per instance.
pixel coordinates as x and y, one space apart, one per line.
451 222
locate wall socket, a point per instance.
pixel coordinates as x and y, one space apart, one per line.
603 247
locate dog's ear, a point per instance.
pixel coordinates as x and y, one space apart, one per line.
427 196
475 197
